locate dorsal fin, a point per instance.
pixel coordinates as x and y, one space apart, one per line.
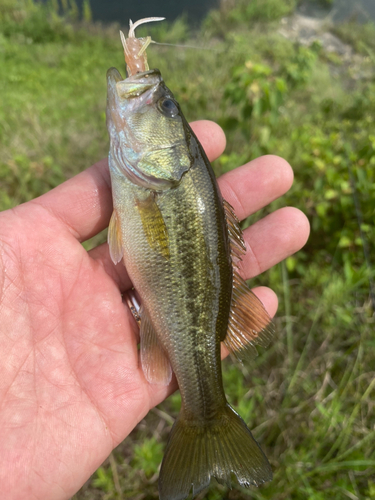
249 322
237 243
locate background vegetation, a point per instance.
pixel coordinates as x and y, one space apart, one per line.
310 397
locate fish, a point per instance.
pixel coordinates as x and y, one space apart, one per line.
182 244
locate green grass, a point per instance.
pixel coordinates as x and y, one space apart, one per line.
309 397
361 37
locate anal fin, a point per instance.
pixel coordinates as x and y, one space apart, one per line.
154 360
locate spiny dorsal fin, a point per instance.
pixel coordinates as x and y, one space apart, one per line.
237 243
154 225
114 239
249 322
155 363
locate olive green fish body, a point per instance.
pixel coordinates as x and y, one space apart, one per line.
186 294
179 240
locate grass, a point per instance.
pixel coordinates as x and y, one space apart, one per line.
310 397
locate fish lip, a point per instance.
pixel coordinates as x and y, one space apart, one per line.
145 75
134 85
138 84
111 73
147 79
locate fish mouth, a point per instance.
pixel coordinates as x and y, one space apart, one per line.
114 73
138 84
133 86
145 75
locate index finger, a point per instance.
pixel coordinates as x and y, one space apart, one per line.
256 184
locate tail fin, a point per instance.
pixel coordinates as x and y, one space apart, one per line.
196 453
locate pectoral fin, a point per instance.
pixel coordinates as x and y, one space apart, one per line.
154 360
154 225
249 323
114 238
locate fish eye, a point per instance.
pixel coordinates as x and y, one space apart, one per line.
168 107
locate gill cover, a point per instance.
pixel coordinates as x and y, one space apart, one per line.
146 130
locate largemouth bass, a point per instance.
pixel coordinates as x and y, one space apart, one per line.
181 244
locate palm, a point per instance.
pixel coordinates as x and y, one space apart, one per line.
71 388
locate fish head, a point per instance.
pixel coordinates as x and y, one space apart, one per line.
147 130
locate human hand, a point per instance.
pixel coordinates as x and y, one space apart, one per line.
71 388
